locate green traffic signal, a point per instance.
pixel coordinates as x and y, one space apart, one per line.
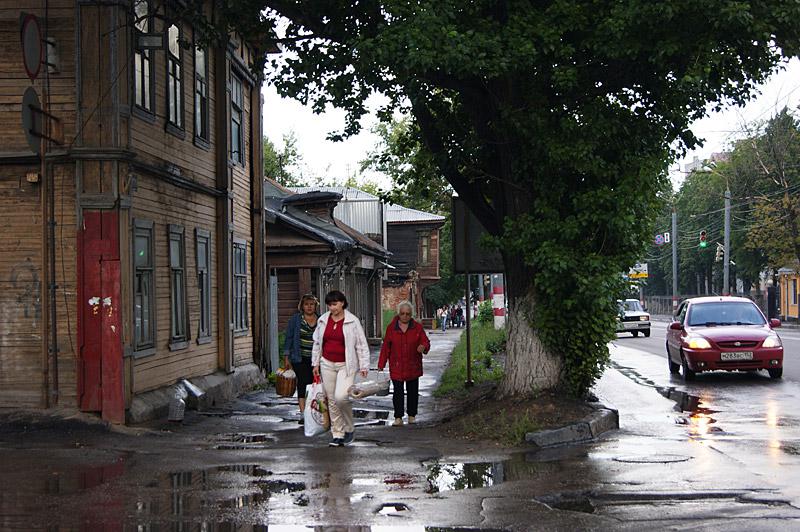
703 244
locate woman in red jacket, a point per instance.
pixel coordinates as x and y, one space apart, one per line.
404 344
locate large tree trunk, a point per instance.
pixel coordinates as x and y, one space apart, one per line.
530 367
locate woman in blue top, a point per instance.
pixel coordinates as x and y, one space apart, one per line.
298 343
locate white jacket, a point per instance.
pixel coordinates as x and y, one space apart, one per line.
356 349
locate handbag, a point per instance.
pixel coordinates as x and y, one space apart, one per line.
285 382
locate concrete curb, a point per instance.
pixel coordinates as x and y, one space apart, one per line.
602 420
218 388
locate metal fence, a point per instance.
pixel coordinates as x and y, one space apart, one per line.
662 305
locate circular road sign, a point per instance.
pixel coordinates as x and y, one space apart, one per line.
32 120
659 240
31 37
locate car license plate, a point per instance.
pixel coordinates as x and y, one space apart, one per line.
737 355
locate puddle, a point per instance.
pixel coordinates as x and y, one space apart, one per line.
790 449
240 441
193 495
448 476
402 481
392 509
653 459
580 503
363 413
459 476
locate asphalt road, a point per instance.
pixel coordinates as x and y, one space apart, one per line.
657 341
748 418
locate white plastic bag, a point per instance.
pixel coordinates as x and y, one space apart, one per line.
378 386
316 418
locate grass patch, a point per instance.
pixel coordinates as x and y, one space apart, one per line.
486 341
506 422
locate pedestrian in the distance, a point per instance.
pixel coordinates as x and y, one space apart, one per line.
299 343
404 344
340 351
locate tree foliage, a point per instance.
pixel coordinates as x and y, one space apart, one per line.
283 164
552 120
762 171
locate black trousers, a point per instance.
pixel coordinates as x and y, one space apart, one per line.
411 388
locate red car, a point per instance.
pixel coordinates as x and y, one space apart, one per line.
723 333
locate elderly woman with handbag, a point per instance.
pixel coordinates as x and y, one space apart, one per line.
340 352
298 345
404 344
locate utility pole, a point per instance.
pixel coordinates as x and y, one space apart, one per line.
674 238
726 268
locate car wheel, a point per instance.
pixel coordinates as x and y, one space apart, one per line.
635 333
688 374
647 333
776 373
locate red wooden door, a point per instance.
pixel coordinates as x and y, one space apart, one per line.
100 327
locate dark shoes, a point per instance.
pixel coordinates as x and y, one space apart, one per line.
301 421
349 437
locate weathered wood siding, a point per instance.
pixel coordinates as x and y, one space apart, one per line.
165 204
21 361
14 80
403 242
22 358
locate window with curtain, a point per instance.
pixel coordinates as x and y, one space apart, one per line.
144 322
142 60
174 77
177 259
201 93
240 285
237 132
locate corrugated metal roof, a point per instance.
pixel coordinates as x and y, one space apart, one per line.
399 214
348 193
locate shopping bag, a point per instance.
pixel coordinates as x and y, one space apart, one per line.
316 417
285 382
377 386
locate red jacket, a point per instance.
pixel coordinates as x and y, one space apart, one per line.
400 349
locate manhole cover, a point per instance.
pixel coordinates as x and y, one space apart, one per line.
653 459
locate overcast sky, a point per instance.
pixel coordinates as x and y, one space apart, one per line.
338 160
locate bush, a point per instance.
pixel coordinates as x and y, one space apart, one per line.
485 312
484 367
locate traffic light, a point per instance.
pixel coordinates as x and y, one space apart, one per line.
703 239
720 253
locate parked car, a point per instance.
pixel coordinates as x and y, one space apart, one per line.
723 333
632 318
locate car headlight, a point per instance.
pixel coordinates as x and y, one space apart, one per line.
698 342
772 341
644 318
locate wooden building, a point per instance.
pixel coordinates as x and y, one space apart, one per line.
311 251
413 239
132 249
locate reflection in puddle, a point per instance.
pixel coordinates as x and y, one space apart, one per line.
401 480
392 508
448 476
243 441
459 476
363 413
700 423
200 496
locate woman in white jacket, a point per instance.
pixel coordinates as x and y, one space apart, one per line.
340 351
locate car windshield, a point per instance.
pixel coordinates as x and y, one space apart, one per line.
632 306
725 313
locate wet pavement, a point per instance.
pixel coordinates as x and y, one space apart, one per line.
719 454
